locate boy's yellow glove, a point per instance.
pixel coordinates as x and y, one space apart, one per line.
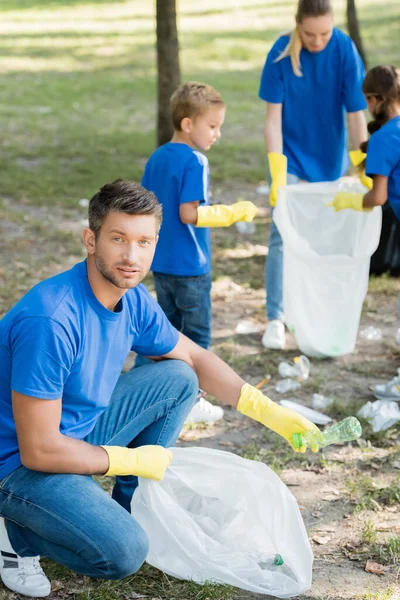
283 421
356 158
145 461
222 215
344 200
278 171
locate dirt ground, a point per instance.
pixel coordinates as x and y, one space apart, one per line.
340 491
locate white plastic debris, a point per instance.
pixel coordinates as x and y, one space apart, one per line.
319 401
263 190
310 414
287 385
371 333
382 414
84 202
246 227
397 337
246 327
300 369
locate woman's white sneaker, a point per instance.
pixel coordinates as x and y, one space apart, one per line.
274 337
21 575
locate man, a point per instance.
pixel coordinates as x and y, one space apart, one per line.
67 413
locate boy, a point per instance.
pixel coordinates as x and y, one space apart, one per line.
178 174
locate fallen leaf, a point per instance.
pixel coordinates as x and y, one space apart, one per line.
374 568
326 528
331 498
56 585
320 539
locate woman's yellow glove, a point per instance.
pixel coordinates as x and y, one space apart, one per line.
146 461
357 157
283 421
344 200
278 171
222 215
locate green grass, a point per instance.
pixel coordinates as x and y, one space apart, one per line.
78 93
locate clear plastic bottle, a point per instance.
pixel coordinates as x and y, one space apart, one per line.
345 431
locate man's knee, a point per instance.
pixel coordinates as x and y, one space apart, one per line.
184 375
127 556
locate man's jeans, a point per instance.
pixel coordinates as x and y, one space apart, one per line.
70 518
274 268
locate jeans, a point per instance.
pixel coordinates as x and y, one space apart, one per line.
274 267
70 518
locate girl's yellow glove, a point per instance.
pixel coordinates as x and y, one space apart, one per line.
356 158
344 200
283 421
278 172
146 461
222 215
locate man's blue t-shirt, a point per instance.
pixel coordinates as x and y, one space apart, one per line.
383 158
314 105
58 341
176 173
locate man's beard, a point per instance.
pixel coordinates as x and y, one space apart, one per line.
113 278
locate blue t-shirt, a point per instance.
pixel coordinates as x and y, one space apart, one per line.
314 105
176 174
383 158
58 341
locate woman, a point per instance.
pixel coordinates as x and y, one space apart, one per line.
311 78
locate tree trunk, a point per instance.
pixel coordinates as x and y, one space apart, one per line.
167 65
354 29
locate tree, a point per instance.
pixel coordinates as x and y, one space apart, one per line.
354 28
167 66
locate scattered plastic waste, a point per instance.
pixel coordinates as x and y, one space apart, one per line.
287 385
345 431
319 401
382 414
263 189
246 327
300 369
371 333
397 337
310 414
246 227
84 202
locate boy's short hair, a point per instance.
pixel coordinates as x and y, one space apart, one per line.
192 99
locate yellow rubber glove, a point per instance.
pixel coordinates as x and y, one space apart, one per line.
344 200
278 171
222 215
145 461
356 158
283 421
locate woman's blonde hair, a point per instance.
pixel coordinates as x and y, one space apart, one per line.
305 8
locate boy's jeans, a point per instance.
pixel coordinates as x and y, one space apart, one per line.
70 518
274 267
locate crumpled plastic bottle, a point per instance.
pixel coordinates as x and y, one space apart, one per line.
287 385
246 227
300 369
371 333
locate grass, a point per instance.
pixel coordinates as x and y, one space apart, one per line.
79 98
368 495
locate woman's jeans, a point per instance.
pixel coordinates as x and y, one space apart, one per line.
70 518
274 267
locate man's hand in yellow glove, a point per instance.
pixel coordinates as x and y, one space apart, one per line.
357 157
283 421
344 200
222 215
145 461
278 172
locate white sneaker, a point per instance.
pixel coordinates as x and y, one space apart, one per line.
390 390
21 575
274 337
204 412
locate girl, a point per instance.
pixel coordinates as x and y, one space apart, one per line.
310 80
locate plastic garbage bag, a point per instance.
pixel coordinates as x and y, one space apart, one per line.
218 517
382 414
326 258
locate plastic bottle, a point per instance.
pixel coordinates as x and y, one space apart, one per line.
270 563
287 385
300 369
345 431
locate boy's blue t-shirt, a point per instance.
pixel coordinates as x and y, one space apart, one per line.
314 105
176 173
383 158
58 341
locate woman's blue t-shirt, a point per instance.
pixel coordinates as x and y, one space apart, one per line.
176 173
383 158
58 341
314 105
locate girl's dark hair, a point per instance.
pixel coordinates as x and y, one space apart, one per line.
122 196
383 82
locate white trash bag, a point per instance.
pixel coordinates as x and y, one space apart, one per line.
326 258
218 517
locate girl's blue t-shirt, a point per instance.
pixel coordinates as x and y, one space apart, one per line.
383 158
58 341
176 174
314 105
